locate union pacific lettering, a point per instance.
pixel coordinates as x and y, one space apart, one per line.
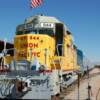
37 54
30 45
21 54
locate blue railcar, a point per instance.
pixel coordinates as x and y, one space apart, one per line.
83 61
80 58
87 63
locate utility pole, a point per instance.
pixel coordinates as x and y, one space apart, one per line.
78 85
89 87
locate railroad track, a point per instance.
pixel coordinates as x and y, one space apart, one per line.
92 75
72 87
68 90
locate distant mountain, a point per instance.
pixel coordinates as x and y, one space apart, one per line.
96 63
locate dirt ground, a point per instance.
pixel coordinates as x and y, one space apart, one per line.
94 82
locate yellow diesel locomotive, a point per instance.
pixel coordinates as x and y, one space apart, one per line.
45 60
48 40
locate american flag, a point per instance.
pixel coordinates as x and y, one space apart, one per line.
36 3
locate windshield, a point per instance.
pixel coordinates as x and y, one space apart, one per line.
46 31
25 29
21 29
26 32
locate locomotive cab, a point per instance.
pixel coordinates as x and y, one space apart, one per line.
52 37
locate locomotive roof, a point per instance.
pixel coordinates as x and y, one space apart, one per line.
42 19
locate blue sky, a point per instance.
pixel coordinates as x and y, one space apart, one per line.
81 16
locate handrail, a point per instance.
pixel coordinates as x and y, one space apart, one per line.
4 53
58 53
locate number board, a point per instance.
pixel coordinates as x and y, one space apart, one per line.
47 25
